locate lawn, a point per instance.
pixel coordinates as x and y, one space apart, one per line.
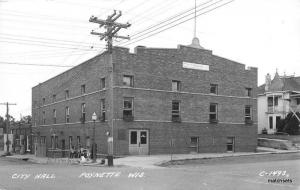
293 138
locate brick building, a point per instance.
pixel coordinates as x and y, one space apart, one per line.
151 101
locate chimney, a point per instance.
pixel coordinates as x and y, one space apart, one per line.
268 82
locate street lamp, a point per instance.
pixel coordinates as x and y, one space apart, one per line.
94 118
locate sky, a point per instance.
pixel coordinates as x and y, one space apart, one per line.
51 36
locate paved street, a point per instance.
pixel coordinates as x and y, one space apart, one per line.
246 172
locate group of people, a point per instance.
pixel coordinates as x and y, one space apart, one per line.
79 153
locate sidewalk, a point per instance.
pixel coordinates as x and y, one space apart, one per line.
151 161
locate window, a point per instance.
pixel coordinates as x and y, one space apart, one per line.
70 142
249 92
143 137
54 116
83 112
230 144
102 109
102 83
56 142
52 142
54 98
298 101
271 122
78 142
43 139
83 89
270 101
213 88
128 80
175 110
128 108
67 114
44 117
248 113
176 85
276 101
213 112
44 101
67 94
133 137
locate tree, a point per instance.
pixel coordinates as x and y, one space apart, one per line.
2 123
26 119
290 124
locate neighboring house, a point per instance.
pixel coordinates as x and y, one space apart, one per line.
152 101
23 137
276 98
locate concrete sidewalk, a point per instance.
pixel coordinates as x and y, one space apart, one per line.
151 161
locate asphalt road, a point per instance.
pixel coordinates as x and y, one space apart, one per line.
247 172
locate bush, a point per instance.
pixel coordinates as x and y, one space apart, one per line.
290 124
264 131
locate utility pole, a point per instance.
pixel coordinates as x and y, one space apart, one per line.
112 28
7 104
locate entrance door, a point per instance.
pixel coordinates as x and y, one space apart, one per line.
230 144
139 142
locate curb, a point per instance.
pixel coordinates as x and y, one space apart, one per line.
224 156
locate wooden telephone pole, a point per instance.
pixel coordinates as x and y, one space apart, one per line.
7 123
112 28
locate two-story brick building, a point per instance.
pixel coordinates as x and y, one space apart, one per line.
152 101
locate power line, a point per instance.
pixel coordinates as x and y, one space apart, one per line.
152 27
53 46
126 44
30 64
51 39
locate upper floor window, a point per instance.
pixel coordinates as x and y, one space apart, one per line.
83 112
44 117
273 101
249 92
298 101
176 85
128 108
44 101
54 116
213 112
248 113
175 110
54 98
102 109
102 83
128 80
83 89
213 88
67 94
67 114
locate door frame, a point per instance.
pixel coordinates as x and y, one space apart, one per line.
136 149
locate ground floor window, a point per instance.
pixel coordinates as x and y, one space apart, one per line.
230 144
133 137
271 122
70 141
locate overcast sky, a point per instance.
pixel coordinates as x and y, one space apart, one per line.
259 33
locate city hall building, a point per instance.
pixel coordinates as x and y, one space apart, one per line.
152 101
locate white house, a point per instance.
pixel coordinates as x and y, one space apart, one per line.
276 98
